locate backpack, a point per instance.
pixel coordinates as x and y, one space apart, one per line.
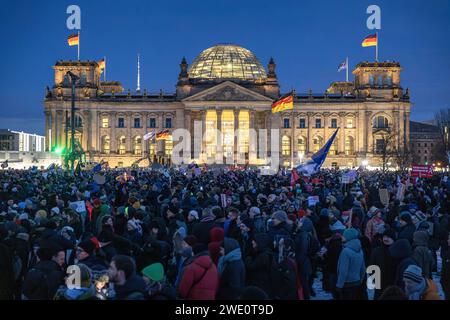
283 278
313 245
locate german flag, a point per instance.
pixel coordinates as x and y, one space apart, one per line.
370 41
284 103
163 135
73 40
102 64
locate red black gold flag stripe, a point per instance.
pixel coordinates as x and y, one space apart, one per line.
284 103
73 40
163 135
370 41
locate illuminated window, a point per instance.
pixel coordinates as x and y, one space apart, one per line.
285 146
244 126
137 145
106 144
122 146
168 146
349 145
371 80
317 143
210 133
349 123
105 122
152 149
334 147
228 133
301 145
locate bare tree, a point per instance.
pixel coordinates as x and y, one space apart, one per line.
386 146
403 157
442 119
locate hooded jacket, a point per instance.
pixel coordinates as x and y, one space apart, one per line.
351 266
258 264
231 271
422 254
200 279
401 253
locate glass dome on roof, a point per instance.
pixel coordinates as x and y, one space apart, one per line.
227 62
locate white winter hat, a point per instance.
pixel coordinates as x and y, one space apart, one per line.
55 210
194 214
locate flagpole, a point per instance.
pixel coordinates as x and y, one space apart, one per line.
376 49
346 71
78 46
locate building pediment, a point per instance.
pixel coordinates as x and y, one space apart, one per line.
227 91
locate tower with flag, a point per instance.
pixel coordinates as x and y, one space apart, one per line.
371 41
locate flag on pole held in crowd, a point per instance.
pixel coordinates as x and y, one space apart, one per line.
284 103
370 41
149 135
73 40
312 166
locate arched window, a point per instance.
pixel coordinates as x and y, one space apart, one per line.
380 122
317 143
137 145
122 146
285 146
301 145
349 145
78 122
106 144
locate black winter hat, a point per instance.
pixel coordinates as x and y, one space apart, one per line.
88 246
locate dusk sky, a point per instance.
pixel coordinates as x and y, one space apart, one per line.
307 38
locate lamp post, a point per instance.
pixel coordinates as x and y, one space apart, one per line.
365 163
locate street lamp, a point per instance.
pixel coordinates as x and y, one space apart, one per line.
300 157
365 163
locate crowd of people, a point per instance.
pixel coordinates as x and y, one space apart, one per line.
221 234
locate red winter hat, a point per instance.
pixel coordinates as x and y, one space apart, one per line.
214 251
292 217
97 202
216 234
301 213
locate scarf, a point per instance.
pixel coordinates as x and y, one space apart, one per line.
233 255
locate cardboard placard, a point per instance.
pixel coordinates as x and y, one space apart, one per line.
81 206
99 179
312 200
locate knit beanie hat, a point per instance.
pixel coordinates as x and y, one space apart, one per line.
413 273
350 234
216 234
88 246
154 271
280 216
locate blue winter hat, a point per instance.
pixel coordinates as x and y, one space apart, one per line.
324 212
350 234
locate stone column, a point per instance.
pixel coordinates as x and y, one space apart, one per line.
252 141
407 116
86 129
94 131
53 125
145 131
128 144
187 126
236 127
159 143
113 138
268 126
48 123
341 134
309 141
361 132
368 133
219 137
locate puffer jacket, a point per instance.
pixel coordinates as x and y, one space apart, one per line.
351 266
